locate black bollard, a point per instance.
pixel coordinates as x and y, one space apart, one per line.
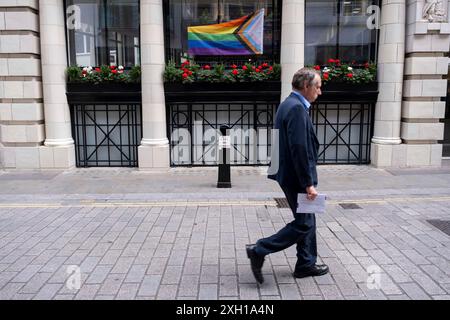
224 178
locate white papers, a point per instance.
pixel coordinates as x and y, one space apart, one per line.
311 206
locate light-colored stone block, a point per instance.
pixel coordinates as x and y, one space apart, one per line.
2 21
440 43
436 155
422 131
434 88
418 43
13 89
46 160
418 154
442 65
24 67
386 92
154 157
64 157
27 157
32 89
418 109
5 112
412 88
399 155
420 65
390 72
19 3
35 133
381 155
4 71
439 109
21 20
388 110
9 43
27 111
8 157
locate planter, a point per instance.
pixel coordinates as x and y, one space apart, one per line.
349 92
226 92
103 93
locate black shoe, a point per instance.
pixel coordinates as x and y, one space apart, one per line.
313 271
256 262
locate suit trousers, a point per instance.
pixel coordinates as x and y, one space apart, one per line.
301 231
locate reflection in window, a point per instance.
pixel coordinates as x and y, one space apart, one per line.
179 14
338 30
108 33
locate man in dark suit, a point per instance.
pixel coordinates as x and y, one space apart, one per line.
298 147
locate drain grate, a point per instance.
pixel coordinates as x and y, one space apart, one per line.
348 206
282 202
443 225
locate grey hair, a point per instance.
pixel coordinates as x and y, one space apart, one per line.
304 76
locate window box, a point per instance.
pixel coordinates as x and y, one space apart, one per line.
103 93
348 92
239 91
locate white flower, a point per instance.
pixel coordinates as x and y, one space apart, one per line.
85 69
349 68
120 67
326 69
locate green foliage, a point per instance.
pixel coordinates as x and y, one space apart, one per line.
73 74
335 71
103 74
190 72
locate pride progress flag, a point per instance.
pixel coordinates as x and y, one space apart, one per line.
242 36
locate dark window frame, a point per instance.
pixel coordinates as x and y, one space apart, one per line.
101 60
272 58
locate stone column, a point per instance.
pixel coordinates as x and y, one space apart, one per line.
154 148
391 48
426 67
58 150
292 42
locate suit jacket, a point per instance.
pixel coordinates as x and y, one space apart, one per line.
298 146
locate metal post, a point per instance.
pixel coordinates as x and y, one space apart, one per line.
224 178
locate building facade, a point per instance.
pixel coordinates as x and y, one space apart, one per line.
42 127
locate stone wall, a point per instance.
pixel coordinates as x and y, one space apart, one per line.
21 107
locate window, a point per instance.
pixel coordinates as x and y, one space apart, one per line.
338 30
180 14
107 32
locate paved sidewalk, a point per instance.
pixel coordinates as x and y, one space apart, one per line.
132 234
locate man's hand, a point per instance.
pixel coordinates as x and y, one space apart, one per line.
311 193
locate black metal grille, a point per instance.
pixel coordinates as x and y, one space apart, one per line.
344 131
106 135
443 225
282 202
194 131
349 206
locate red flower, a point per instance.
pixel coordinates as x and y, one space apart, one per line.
114 71
185 75
331 61
350 75
186 63
337 61
366 65
83 72
326 76
206 67
253 67
258 70
270 68
316 67
244 67
190 72
112 67
235 72
97 69
234 66
265 64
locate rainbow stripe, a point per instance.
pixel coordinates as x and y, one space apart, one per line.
242 36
